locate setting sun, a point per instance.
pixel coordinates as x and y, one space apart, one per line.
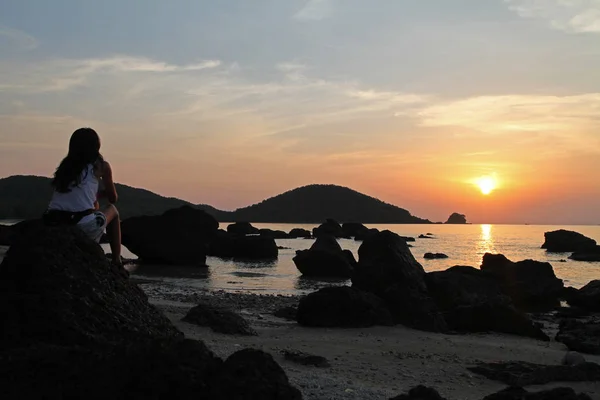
486 184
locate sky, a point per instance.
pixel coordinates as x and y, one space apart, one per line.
230 102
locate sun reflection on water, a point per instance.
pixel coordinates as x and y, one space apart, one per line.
486 240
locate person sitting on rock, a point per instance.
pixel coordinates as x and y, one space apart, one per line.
77 183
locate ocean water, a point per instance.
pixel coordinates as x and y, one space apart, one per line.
464 245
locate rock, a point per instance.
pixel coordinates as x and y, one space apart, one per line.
420 393
472 301
226 245
409 239
242 228
457 218
274 234
5 235
587 298
71 294
581 336
363 236
591 254
290 313
425 236
325 258
563 241
329 228
388 269
354 229
300 233
517 393
532 285
252 374
178 237
573 358
301 358
519 373
219 319
434 256
343 307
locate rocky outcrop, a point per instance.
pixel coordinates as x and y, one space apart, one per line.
273 234
420 393
457 218
329 228
219 319
591 254
299 357
587 298
528 374
354 229
368 233
472 301
254 247
532 285
434 256
242 228
563 241
297 233
517 393
343 307
427 236
581 336
178 237
325 258
388 269
5 235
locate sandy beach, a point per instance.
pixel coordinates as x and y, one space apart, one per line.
371 363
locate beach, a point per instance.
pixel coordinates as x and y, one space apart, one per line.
370 363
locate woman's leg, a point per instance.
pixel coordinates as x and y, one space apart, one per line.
113 230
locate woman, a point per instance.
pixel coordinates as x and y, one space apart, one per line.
76 184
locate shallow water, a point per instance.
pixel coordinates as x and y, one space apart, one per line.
464 244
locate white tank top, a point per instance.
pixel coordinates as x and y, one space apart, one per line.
81 197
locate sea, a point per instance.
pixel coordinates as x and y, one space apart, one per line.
463 244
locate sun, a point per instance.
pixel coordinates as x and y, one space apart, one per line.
486 184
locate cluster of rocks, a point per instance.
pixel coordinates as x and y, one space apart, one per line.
562 241
74 326
511 393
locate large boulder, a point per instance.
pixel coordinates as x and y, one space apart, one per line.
255 247
532 285
591 254
329 228
420 393
354 229
387 268
562 241
219 319
581 336
587 298
343 306
242 228
178 237
57 287
457 218
472 301
275 234
325 258
366 234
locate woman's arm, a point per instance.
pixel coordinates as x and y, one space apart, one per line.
110 191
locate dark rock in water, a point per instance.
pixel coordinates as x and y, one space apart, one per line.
290 313
420 393
581 336
274 234
591 254
242 228
472 301
587 298
329 228
219 319
520 373
426 237
227 245
363 236
532 285
563 241
252 374
343 306
300 233
71 294
457 218
408 239
325 258
353 229
301 358
517 393
178 237
388 269
434 256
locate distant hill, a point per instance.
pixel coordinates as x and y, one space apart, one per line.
24 197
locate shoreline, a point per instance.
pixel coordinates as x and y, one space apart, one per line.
366 363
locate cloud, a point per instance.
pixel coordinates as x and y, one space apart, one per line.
19 38
315 10
575 16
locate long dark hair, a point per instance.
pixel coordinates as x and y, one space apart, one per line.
84 149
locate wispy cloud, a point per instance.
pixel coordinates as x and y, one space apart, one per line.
315 10
577 16
21 39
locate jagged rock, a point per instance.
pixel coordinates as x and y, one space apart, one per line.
457 218
353 229
242 228
472 301
517 393
434 256
591 254
532 285
343 306
325 258
563 241
274 234
302 358
420 393
227 245
300 233
581 336
587 298
368 233
527 374
290 313
329 228
388 269
219 319
71 294
178 237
